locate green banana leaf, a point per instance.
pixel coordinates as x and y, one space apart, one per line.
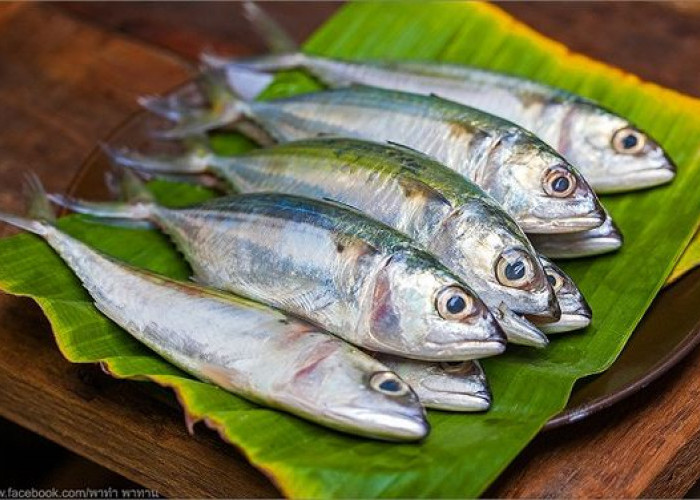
464 453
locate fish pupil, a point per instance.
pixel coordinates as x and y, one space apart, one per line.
552 280
560 184
515 270
629 141
390 385
456 304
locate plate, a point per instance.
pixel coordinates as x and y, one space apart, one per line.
669 330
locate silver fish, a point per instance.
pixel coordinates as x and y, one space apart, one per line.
458 386
440 210
613 154
604 239
245 348
532 182
575 311
330 265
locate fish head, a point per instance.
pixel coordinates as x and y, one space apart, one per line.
487 249
614 154
418 309
359 393
575 311
538 187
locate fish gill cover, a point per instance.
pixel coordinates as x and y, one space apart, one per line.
464 453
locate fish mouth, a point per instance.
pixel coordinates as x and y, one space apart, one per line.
390 426
580 245
460 401
549 315
564 225
641 179
522 333
462 351
568 322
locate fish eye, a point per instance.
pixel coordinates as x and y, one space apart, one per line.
388 383
453 366
628 141
559 182
455 303
515 269
554 278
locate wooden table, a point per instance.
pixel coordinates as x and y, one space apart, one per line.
69 74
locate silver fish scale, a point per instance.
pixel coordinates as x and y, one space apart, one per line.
612 153
331 265
506 161
498 94
459 224
246 348
418 216
268 257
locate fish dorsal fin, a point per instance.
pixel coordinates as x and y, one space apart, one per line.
406 148
333 201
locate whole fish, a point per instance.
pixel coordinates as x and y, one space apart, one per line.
575 311
612 153
441 211
250 350
458 386
351 275
604 239
532 182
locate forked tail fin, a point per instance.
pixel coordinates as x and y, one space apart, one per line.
281 45
39 217
138 204
226 105
195 160
275 36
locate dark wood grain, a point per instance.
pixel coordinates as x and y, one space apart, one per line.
187 28
657 41
69 74
114 423
62 89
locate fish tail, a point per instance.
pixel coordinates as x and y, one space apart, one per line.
40 217
108 210
25 223
278 40
227 104
263 64
36 200
168 107
138 204
285 52
196 159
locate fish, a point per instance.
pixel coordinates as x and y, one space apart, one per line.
449 386
604 239
612 153
576 314
250 350
329 265
533 183
441 211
